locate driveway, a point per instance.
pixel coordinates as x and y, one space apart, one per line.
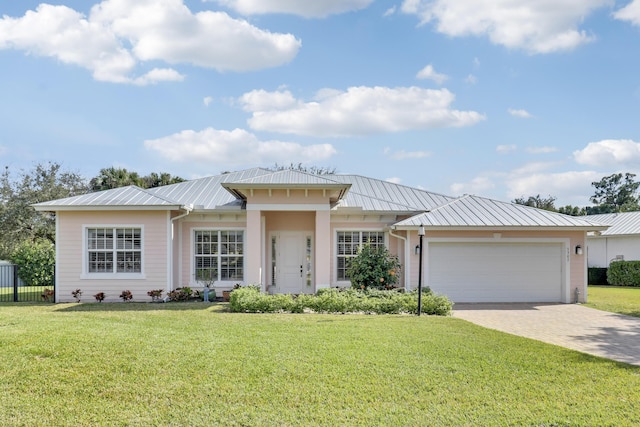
573 326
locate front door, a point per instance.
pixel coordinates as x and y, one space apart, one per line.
293 262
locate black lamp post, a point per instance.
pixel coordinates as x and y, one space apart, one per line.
421 234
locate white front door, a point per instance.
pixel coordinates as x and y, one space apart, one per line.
293 262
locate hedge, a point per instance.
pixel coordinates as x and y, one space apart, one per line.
597 276
251 300
624 273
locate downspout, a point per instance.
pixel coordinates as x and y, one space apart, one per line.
188 209
407 258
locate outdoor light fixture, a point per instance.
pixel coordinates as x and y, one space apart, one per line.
419 248
578 250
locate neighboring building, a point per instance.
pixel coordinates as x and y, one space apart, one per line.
294 232
621 241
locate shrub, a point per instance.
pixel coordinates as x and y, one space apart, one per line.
77 294
48 295
373 267
180 294
597 276
350 300
126 295
100 296
155 294
624 273
36 263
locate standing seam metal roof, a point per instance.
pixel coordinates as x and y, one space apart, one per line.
622 223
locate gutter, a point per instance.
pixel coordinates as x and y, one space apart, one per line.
407 260
187 209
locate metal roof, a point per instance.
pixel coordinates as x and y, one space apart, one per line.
377 195
208 193
124 197
365 194
622 223
474 211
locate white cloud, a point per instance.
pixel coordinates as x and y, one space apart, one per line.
541 26
503 149
571 187
471 79
390 11
307 9
523 114
236 147
541 150
477 185
630 12
403 155
358 111
394 180
430 73
119 35
610 153
207 101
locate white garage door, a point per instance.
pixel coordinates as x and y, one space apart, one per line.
496 272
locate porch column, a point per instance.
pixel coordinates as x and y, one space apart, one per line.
253 249
323 249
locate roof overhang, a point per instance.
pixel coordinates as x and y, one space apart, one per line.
243 190
68 208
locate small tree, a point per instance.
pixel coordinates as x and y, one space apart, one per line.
36 262
373 267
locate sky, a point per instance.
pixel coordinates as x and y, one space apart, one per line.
497 98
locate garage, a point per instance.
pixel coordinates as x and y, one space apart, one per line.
496 272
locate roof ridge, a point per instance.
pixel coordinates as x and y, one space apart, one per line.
150 193
393 183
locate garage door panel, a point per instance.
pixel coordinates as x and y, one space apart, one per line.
496 272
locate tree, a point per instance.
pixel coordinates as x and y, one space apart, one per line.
19 221
538 202
617 193
112 177
154 180
572 210
316 170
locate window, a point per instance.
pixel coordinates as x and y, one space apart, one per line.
114 250
348 244
219 255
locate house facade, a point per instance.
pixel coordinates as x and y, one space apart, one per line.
621 241
294 232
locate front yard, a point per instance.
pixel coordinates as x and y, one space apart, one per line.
616 299
190 364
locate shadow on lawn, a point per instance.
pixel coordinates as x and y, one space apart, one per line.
145 306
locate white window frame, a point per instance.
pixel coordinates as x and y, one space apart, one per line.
86 274
217 282
385 243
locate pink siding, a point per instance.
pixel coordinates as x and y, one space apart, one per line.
71 246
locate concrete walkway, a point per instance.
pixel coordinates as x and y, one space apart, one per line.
573 326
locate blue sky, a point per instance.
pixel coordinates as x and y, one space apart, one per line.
501 99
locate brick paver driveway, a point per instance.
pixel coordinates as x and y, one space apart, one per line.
573 326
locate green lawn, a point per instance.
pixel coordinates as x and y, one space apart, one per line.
25 293
194 364
623 300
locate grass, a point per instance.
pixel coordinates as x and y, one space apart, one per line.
623 300
25 293
192 364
